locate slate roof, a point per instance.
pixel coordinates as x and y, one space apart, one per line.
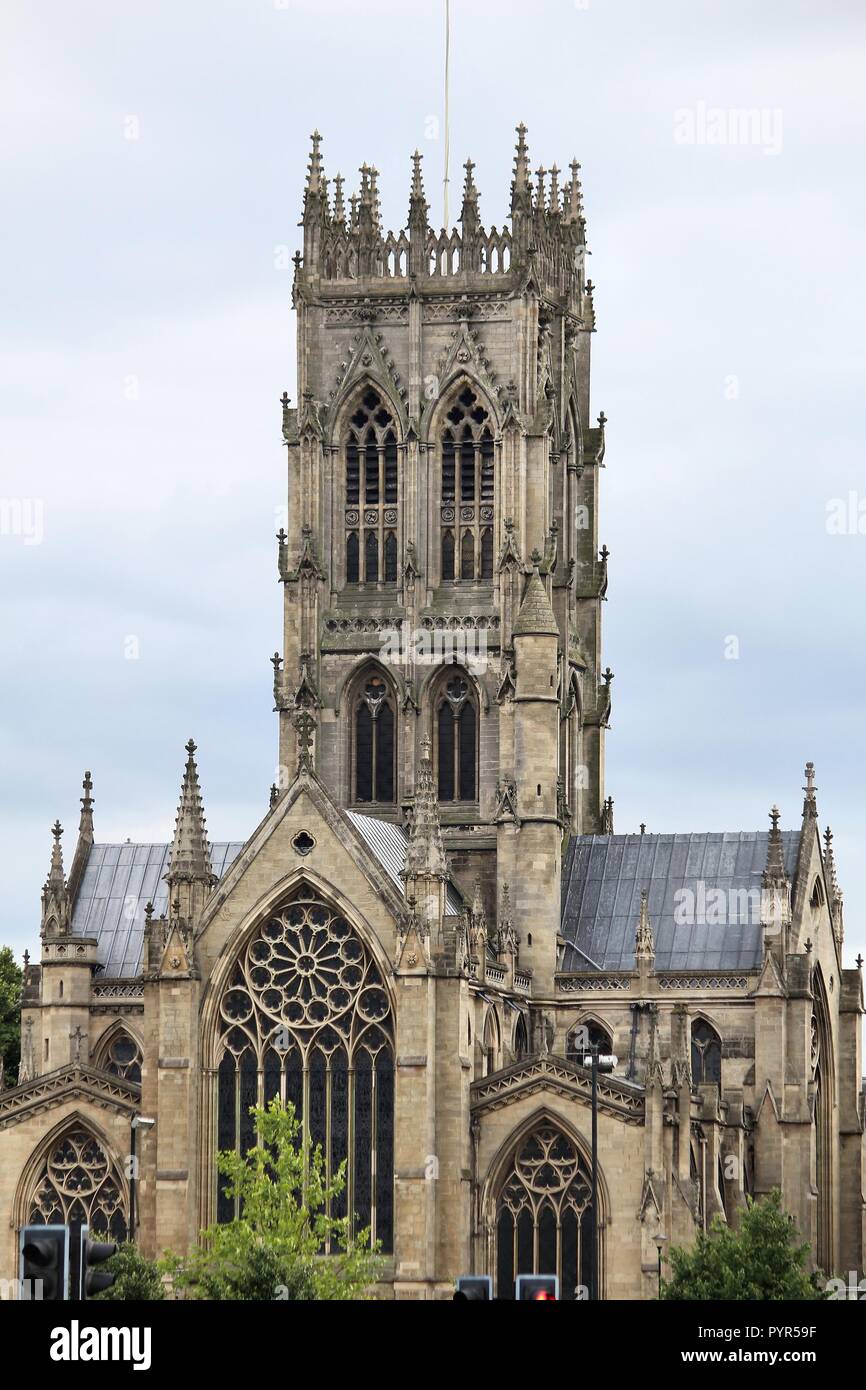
388 843
602 878
119 880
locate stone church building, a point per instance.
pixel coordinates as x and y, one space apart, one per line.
434 917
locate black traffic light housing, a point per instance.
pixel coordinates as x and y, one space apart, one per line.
474 1288
537 1288
93 1253
44 1263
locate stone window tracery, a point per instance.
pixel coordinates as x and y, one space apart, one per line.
706 1053
79 1185
467 492
306 1017
374 752
122 1057
371 493
543 1213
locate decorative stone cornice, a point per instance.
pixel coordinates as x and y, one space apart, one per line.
563 1078
100 1088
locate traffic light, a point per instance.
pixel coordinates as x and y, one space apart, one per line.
43 1263
96 1253
537 1288
474 1288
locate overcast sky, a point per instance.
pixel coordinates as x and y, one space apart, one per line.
153 161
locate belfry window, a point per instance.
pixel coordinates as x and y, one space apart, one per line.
456 742
544 1214
706 1053
372 493
374 761
466 492
306 1017
588 1035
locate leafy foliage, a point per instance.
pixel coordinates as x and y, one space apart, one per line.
11 976
137 1279
759 1260
273 1250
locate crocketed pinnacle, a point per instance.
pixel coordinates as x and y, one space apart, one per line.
425 853
774 871
644 944
190 851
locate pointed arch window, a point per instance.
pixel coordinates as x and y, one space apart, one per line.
706 1053
456 741
122 1057
544 1214
375 744
372 511
588 1035
80 1185
467 492
305 1016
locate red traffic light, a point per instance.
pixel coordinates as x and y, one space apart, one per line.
536 1288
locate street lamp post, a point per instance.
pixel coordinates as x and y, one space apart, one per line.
138 1122
599 1065
660 1244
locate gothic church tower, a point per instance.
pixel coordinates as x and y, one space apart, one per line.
441 565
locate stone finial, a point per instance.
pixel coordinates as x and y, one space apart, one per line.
644 945
189 859
56 902
425 853
85 823
315 168
810 805
339 204
521 184
607 817
774 869
572 196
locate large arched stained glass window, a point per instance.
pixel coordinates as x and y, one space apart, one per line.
79 1185
544 1214
306 1017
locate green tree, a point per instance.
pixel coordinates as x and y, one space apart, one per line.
137 1279
759 1260
11 976
273 1250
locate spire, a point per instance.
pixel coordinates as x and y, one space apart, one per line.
56 903
425 853
810 805
540 196
189 860
536 615
469 221
644 945
470 192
